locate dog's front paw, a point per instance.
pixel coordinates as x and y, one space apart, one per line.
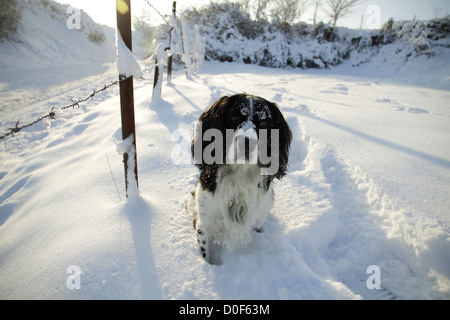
202 243
209 251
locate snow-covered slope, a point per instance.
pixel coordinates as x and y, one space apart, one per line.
367 187
44 52
43 39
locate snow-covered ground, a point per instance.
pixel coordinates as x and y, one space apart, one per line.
368 185
365 202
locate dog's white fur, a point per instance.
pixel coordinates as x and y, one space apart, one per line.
234 197
240 198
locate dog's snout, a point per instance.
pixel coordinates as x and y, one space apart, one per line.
246 143
251 142
244 147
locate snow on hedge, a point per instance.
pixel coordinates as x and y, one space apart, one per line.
231 35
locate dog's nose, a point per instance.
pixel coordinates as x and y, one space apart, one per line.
244 148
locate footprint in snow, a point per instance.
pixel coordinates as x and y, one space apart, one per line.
338 89
401 107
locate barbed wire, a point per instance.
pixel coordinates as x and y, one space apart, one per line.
167 22
76 103
52 114
158 12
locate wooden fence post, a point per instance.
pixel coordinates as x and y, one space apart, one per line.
126 89
161 55
186 58
172 22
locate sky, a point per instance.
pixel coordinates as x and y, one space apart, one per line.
375 12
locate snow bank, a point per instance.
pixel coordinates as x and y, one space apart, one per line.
232 36
44 39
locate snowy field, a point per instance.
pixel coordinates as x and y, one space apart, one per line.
362 214
368 185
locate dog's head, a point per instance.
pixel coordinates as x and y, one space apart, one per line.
243 129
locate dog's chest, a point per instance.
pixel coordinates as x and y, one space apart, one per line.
240 193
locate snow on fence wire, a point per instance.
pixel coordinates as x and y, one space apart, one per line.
192 55
52 113
193 52
180 43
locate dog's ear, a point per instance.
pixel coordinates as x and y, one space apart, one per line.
285 139
213 117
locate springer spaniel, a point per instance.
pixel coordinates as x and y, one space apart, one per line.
241 145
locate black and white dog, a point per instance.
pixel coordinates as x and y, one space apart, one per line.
241 145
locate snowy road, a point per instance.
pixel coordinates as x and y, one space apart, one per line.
368 186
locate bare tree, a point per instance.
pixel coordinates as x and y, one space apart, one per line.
245 5
340 8
259 6
316 4
255 7
287 11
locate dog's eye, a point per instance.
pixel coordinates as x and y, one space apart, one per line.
236 119
264 124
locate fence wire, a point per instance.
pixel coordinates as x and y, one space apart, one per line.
52 114
76 103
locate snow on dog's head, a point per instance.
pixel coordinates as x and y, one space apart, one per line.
243 129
